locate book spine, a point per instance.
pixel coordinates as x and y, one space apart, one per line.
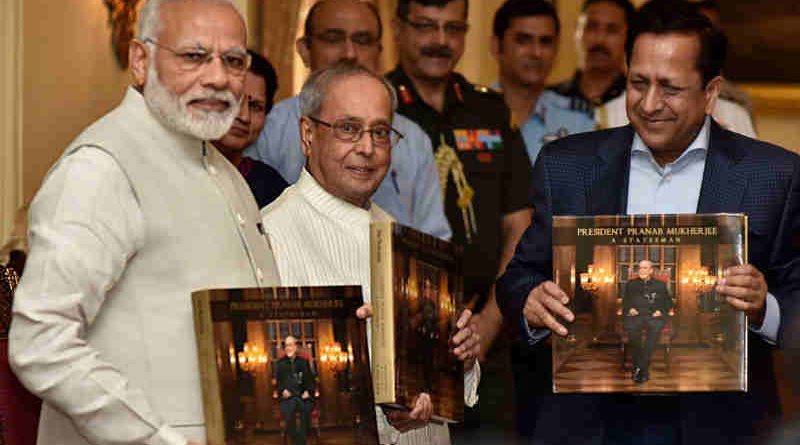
744 383
383 345
212 401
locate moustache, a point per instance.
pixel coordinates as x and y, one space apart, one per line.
439 51
225 96
599 49
533 63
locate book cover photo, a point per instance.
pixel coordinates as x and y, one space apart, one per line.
647 315
284 365
416 292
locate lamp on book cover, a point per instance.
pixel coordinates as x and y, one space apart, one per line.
700 279
590 281
593 278
250 358
335 358
703 283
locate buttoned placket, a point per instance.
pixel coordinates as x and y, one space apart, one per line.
234 210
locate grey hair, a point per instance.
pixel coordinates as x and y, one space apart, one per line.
150 17
317 85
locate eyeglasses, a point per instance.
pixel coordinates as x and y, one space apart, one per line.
452 29
347 130
236 61
338 37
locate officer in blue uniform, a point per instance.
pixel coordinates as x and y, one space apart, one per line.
525 44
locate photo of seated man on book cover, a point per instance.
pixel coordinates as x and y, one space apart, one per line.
648 318
285 366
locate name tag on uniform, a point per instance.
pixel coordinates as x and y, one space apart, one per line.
478 139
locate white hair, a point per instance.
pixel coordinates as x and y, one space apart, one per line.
316 87
150 17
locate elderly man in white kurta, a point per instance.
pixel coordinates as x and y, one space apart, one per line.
139 212
319 227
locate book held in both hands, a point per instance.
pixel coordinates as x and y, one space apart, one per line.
416 290
647 314
280 365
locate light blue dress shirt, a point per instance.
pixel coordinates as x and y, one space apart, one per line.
675 188
411 191
552 118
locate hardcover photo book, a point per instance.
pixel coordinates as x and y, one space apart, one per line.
284 365
416 296
647 314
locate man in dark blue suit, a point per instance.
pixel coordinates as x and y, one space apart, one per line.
673 158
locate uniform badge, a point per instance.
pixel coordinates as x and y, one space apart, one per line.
405 95
459 93
557 135
478 139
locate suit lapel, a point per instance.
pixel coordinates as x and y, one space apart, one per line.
607 188
723 184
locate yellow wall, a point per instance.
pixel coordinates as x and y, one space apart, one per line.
777 113
779 127
70 78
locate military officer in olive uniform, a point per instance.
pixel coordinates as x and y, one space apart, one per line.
483 165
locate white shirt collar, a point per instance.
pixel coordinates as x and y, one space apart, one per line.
700 142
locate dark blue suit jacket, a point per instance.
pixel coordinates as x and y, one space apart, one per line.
587 174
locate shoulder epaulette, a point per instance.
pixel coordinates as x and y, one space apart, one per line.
580 104
459 93
405 95
485 89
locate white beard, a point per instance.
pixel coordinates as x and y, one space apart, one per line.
173 110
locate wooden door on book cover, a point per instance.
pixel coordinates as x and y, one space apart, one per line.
19 410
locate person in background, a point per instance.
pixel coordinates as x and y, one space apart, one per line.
483 164
600 41
260 86
525 44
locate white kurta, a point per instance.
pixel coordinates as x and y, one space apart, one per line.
319 239
131 220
